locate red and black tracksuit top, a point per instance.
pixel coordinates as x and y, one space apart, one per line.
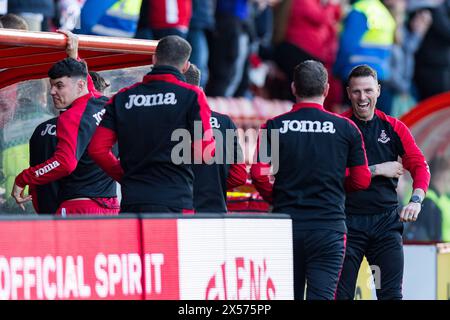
42 146
386 139
213 180
78 175
315 148
142 119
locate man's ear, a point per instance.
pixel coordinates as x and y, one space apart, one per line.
186 66
81 84
154 59
293 89
327 89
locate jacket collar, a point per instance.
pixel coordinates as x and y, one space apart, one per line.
302 105
165 71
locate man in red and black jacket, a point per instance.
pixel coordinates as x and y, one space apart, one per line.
43 144
315 148
84 187
374 217
228 171
147 120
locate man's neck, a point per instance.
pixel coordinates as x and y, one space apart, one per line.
318 100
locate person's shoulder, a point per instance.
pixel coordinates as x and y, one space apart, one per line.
53 120
125 90
343 118
223 119
40 127
396 123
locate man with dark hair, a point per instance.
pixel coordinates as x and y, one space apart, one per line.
173 51
211 181
13 21
373 216
84 187
43 144
145 118
315 148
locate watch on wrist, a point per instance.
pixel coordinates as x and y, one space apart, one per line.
416 199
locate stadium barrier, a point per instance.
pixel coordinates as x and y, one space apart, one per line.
201 257
426 274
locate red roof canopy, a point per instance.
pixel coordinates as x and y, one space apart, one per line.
26 55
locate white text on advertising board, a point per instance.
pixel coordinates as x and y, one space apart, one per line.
65 277
241 279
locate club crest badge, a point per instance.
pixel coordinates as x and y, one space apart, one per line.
383 137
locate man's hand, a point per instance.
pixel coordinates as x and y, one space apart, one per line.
390 169
18 194
410 212
72 44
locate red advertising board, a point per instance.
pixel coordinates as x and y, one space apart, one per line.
160 247
70 259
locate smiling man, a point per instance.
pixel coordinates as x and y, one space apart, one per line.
373 216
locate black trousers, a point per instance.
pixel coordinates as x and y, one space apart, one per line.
318 258
148 208
379 238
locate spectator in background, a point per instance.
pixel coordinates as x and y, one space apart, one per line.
110 17
211 181
68 14
37 13
433 223
229 48
408 36
259 29
202 21
19 115
367 38
432 72
311 33
13 21
159 19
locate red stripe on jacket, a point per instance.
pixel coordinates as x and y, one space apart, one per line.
100 150
413 160
260 173
64 161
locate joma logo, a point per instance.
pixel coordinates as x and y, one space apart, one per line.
46 168
150 100
307 126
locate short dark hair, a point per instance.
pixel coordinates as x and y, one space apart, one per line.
68 67
100 83
13 21
173 51
310 79
362 71
193 75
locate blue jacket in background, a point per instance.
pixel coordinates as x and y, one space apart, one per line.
236 8
91 13
367 38
203 14
46 7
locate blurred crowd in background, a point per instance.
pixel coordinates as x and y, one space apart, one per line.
248 48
